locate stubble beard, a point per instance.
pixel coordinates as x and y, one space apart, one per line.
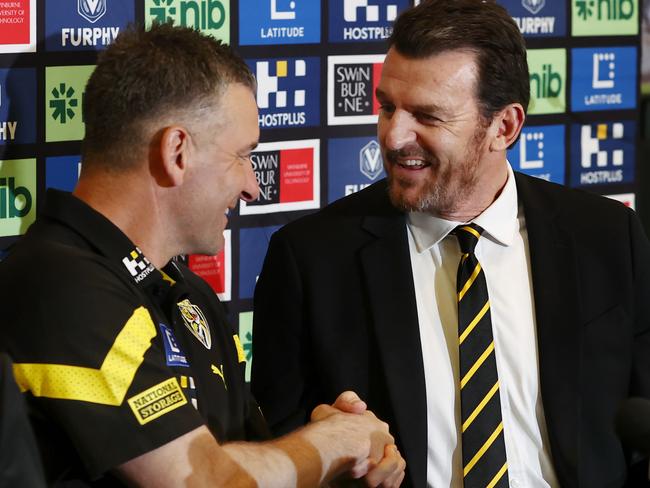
449 186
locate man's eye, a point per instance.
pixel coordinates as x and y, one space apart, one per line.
387 108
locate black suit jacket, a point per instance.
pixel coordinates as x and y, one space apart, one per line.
335 309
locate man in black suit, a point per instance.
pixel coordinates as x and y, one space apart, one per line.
364 294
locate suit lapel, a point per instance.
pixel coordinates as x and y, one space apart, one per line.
554 276
387 272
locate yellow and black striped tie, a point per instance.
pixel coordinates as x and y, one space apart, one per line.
484 450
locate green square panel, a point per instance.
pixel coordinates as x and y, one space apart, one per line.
209 16
64 88
17 196
605 17
547 69
246 338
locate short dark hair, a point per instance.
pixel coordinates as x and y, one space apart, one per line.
146 75
480 26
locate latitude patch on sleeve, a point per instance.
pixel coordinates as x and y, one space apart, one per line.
157 401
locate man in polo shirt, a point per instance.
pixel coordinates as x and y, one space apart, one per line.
125 356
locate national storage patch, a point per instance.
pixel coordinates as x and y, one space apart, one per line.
157 401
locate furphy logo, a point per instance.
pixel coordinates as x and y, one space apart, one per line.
547 81
64 86
602 153
363 20
209 16
253 244
540 152
354 163
17 106
85 24
351 83
62 172
288 174
17 26
538 18
287 91
216 270
279 22
605 17
604 78
17 196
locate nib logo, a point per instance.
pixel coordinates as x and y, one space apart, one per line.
605 17
163 11
63 103
606 9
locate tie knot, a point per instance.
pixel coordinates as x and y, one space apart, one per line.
468 235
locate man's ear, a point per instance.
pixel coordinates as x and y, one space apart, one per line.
509 122
174 145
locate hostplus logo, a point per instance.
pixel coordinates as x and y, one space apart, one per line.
279 21
603 153
605 17
17 196
351 84
138 265
363 20
540 153
354 163
288 175
287 92
209 16
604 78
547 80
17 105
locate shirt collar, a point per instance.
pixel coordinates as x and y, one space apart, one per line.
499 220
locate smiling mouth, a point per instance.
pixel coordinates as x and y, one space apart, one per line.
412 164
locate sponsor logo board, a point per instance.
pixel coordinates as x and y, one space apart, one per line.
62 172
354 163
253 244
17 196
604 78
216 270
604 17
288 175
279 22
351 84
363 20
288 93
547 69
85 24
64 88
602 153
18 26
538 18
17 106
209 16
246 336
540 153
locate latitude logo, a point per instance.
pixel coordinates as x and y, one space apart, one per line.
533 6
91 10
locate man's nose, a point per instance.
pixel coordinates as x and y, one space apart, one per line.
399 130
251 189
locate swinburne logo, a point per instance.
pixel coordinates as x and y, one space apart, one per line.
288 174
547 80
18 26
17 196
540 152
215 270
351 83
209 16
287 91
363 20
604 78
602 153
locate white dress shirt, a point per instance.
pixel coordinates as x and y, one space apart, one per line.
504 255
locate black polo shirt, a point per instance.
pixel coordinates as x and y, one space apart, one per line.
116 357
